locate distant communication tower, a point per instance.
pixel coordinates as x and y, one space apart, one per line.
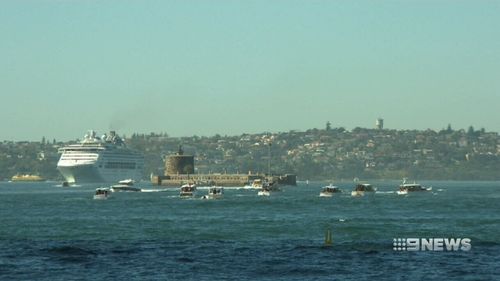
379 123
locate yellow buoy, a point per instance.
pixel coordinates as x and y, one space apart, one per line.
328 237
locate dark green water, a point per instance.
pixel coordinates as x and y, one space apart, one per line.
52 233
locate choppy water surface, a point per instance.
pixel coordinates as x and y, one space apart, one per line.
52 233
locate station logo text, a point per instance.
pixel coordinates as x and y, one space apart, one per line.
432 244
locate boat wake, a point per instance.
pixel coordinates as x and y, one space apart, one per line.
69 186
225 187
154 190
384 192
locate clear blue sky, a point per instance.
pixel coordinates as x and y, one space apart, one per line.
229 67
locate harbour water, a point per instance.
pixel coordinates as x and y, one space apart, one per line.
49 232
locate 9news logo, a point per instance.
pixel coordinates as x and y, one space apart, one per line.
431 244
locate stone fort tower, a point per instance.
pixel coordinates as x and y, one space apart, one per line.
179 164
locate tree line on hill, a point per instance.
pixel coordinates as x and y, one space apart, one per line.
315 154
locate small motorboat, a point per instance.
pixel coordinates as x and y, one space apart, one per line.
125 185
264 192
329 190
127 182
362 188
256 184
402 191
404 188
188 190
102 193
267 188
214 193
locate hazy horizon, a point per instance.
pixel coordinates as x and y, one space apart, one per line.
231 67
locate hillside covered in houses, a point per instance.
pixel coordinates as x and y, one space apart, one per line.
315 154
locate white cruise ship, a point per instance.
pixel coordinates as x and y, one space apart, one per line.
100 159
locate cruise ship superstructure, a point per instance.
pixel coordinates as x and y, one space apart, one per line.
100 159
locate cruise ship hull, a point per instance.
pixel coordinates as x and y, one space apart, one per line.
92 174
81 174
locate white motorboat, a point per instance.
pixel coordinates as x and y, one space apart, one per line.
404 188
267 188
264 192
188 190
402 192
214 193
102 193
329 190
257 184
125 185
363 188
127 182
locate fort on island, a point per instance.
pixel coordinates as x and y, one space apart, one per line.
179 170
